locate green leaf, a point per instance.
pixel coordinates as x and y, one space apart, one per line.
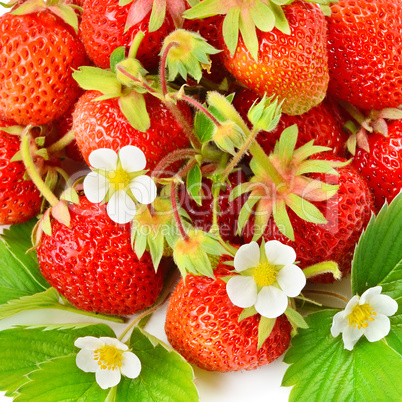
44 299
263 17
282 220
67 14
287 143
204 127
118 55
230 29
194 182
156 248
281 22
322 370
249 34
394 338
295 318
98 79
19 271
378 255
165 375
265 327
23 348
134 108
305 209
246 312
61 379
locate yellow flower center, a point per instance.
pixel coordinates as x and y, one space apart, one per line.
361 315
264 274
119 179
109 357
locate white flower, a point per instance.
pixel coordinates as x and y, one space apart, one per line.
119 180
267 278
108 358
366 315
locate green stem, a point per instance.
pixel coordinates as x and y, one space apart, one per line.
201 108
325 293
132 53
70 309
173 157
31 169
61 143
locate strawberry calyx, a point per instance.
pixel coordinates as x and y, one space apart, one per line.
158 8
245 17
154 229
61 8
186 53
198 253
296 191
375 121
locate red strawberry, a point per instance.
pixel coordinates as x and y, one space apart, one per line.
102 31
38 53
322 124
202 325
293 67
365 52
228 211
381 167
347 214
93 265
101 124
20 200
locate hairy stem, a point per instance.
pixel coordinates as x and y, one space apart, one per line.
163 66
61 143
173 157
326 293
201 108
31 169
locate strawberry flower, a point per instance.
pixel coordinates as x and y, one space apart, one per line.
108 358
267 278
120 180
365 315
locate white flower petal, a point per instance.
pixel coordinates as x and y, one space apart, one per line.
339 323
88 342
121 207
352 303
103 158
242 291
383 304
107 378
279 254
113 342
95 187
143 189
377 329
271 302
247 256
350 336
291 280
85 361
369 294
130 365
132 159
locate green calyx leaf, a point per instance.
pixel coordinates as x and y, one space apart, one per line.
246 312
128 69
194 183
67 14
30 6
265 114
187 54
265 327
134 108
322 370
295 319
97 79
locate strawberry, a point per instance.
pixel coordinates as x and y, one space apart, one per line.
281 52
322 124
38 52
202 324
347 214
381 165
365 52
93 265
101 124
201 215
20 200
103 30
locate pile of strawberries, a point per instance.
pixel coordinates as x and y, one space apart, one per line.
214 113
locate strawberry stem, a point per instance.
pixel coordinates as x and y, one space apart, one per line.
162 71
326 293
31 169
61 143
201 108
173 157
132 53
